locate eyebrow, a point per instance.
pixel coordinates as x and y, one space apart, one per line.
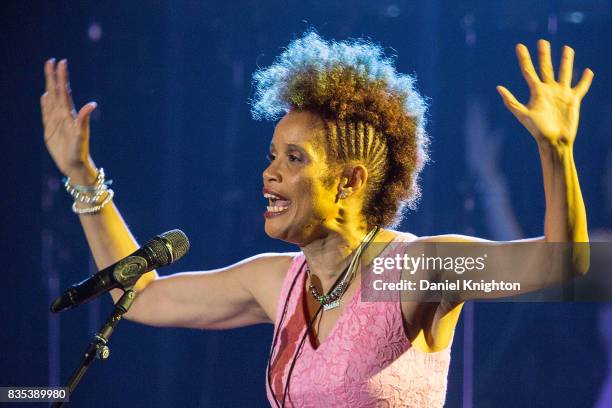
290 146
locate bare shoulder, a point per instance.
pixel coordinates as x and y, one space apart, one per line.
430 325
268 267
263 276
270 261
390 235
450 238
264 269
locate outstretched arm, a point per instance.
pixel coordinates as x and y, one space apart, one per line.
551 116
239 295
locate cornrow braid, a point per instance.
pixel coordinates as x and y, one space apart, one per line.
360 142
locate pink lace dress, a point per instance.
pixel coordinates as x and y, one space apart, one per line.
366 360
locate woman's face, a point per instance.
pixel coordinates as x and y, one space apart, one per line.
299 185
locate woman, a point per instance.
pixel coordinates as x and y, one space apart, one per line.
344 160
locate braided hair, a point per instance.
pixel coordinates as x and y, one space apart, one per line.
372 114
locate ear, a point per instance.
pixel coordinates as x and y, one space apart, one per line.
353 180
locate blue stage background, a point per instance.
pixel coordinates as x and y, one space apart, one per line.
173 129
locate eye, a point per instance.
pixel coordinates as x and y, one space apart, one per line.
294 158
270 157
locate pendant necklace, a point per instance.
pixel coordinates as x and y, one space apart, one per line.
332 299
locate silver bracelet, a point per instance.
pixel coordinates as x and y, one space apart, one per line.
87 194
96 208
90 195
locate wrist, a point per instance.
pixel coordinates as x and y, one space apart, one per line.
84 174
559 150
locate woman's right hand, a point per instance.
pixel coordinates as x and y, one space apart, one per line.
66 131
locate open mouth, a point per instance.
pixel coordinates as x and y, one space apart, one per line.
277 204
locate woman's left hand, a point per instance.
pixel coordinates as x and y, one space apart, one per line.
551 115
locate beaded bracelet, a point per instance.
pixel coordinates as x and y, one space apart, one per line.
90 194
96 208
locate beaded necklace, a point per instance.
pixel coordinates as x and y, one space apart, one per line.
332 299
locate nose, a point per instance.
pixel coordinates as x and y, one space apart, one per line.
271 173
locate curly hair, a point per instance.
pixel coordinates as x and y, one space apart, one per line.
371 113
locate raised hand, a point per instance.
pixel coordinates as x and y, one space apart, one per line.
66 132
551 115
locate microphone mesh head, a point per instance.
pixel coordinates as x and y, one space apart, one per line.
158 252
178 243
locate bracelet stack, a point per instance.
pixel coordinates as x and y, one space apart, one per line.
90 199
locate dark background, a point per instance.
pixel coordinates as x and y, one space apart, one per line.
173 129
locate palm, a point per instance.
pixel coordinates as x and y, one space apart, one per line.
554 113
553 109
61 137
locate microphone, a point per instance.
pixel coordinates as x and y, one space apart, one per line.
162 250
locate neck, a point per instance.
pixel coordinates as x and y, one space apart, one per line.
329 255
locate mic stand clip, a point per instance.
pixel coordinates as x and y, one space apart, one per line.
98 348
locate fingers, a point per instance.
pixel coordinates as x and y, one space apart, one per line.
43 106
64 86
582 87
526 66
84 114
546 67
43 103
57 87
510 101
567 66
50 76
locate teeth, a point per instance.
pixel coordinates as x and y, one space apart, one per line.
276 209
268 195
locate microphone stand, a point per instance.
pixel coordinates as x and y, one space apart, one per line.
98 347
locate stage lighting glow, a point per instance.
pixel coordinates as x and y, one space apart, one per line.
94 32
